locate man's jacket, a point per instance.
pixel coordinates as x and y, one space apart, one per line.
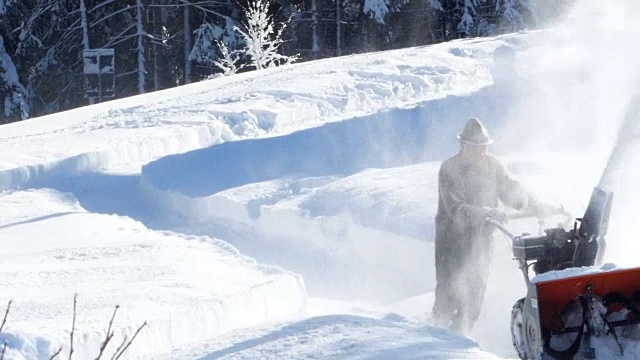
467 192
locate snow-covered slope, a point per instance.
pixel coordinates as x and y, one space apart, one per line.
276 101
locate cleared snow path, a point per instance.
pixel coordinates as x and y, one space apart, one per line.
339 337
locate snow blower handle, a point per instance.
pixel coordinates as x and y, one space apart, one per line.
520 215
550 212
500 226
526 215
511 216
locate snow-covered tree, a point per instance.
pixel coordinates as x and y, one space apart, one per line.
207 37
12 93
399 23
4 5
261 38
378 10
435 4
511 14
217 20
204 50
467 9
229 59
27 27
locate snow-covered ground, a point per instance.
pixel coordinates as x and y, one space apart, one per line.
171 281
288 213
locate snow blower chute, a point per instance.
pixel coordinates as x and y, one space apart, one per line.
569 302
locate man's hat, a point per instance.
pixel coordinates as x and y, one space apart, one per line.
474 133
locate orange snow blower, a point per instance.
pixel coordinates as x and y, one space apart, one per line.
569 301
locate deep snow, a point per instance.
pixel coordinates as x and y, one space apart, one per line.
288 213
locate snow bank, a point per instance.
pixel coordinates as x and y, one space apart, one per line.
128 132
188 289
383 140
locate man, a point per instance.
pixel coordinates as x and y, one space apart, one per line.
470 185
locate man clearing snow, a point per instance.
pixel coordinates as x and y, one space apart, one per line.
470 185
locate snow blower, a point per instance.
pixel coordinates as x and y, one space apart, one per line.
569 302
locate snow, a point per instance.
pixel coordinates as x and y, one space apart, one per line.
288 212
143 128
571 272
186 288
343 336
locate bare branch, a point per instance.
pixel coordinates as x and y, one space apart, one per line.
101 5
126 73
6 313
109 335
205 10
110 15
118 37
112 318
73 326
55 354
124 341
130 341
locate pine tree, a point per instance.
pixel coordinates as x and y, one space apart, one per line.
376 9
512 14
4 6
211 38
12 92
214 21
467 16
28 30
415 23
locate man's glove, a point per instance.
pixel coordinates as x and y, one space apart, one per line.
497 215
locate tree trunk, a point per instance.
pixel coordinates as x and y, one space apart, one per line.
338 29
140 34
315 48
187 45
85 35
157 29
